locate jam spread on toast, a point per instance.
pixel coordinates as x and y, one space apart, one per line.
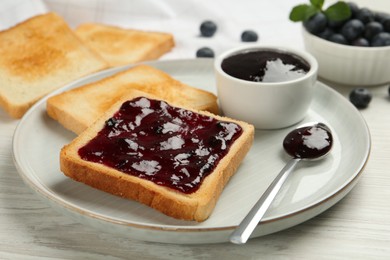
169 146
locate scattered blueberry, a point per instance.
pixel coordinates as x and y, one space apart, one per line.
381 39
208 28
360 97
205 52
338 38
249 36
365 15
372 29
316 24
352 29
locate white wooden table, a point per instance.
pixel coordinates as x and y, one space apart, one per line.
358 227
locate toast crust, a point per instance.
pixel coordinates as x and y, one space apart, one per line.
38 56
120 46
195 206
95 98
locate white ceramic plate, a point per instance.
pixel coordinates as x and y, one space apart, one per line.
313 188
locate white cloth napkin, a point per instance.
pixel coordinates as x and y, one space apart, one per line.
181 18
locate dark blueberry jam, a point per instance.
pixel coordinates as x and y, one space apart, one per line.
308 142
169 146
265 66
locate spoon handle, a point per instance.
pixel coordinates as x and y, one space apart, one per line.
252 219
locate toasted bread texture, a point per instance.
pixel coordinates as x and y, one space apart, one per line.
38 56
197 205
120 46
78 108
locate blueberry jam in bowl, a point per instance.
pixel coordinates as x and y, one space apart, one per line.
268 86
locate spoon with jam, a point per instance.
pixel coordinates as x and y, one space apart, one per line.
310 142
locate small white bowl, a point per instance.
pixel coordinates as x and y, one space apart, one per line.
349 65
266 105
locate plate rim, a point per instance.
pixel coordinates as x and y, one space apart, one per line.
48 194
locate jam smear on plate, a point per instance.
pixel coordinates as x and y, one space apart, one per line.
169 146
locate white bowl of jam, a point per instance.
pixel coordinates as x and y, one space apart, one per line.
267 86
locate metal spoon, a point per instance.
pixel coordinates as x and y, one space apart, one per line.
309 142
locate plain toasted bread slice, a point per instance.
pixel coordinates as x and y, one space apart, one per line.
120 46
78 108
38 56
131 183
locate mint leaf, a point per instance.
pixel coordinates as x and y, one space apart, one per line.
317 3
302 12
338 12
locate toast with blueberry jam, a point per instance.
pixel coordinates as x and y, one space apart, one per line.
173 159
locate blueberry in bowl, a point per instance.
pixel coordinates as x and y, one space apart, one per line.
350 40
316 24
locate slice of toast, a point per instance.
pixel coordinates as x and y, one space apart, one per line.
120 46
174 160
38 56
78 108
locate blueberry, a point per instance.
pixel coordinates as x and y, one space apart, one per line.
336 24
338 38
381 39
354 8
361 42
386 25
381 17
326 33
316 24
249 36
208 28
372 29
360 97
205 52
365 15
352 29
